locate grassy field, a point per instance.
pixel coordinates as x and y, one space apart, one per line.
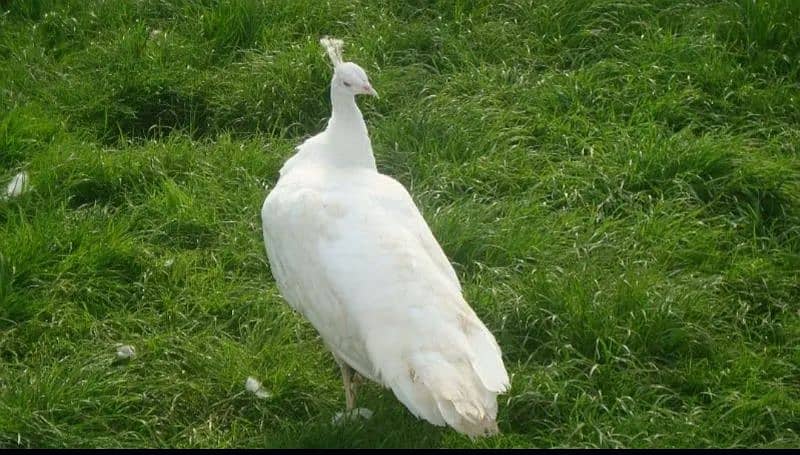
616 182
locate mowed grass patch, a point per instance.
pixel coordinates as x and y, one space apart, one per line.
616 184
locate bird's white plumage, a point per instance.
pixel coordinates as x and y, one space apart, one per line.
351 252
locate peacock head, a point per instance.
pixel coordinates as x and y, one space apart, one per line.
347 76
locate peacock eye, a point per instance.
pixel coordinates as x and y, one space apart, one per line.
346 84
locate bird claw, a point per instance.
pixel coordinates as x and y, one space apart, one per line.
352 414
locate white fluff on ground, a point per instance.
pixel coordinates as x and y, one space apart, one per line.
17 185
126 352
254 386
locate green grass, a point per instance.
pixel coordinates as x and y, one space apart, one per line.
617 183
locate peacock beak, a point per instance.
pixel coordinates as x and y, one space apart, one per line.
370 91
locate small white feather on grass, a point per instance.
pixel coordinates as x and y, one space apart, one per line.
254 386
126 352
17 185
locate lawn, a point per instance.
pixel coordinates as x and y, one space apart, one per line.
616 182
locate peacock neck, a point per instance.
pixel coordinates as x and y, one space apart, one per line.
348 131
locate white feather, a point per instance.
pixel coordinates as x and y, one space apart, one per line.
351 252
253 386
17 185
126 352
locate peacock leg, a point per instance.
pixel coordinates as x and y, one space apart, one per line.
349 385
